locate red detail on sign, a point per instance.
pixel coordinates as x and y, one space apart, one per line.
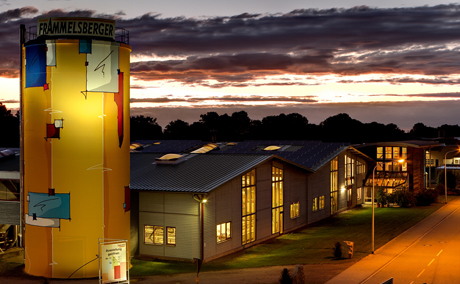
118 98
52 132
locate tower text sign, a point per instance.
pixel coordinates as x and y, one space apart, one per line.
76 27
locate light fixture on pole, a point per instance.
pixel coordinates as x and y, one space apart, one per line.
201 198
372 196
445 171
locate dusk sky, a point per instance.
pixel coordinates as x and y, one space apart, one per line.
388 62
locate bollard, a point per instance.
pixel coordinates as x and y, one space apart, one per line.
350 246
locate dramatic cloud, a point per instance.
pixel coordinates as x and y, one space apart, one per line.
237 50
231 99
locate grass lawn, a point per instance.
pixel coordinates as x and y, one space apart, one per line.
312 245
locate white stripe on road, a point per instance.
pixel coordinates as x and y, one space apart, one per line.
420 273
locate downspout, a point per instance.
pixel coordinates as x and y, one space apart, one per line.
22 38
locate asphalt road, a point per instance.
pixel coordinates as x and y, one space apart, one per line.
434 258
429 252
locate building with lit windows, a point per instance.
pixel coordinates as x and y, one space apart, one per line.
254 191
398 166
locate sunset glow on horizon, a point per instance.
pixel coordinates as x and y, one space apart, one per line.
402 60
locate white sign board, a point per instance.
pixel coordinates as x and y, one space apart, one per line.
113 261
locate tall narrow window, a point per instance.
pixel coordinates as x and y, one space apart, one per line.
403 152
334 184
248 194
388 152
349 170
315 204
379 153
171 236
321 202
277 200
295 210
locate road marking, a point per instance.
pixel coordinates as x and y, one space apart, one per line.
409 246
430 262
439 253
420 273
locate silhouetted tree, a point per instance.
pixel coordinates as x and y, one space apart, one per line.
342 128
420 130
177 129
145 128
9 128
285 127
449 130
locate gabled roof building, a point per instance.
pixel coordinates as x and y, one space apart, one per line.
254 191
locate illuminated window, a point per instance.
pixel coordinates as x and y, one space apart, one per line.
396 154
223 232
321 202
295 212
358 191
248 194
334 184
360 167
277 200
403 153
349 170
153 235
388 152
315 204
171 236
379 153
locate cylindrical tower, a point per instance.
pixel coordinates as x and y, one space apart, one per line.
75 122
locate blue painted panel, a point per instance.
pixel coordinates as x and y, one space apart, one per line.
85 46
35 65
49 206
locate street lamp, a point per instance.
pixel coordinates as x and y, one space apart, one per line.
201 198
372 196
445 171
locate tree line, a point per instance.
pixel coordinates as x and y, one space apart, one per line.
238 127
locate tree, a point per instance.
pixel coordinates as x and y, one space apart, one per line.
342 128
145 128
451 179
420 130
9 128
177 129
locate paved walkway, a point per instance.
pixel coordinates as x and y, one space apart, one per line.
357 273
366 267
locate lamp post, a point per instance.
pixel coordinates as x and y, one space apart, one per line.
445 171
202 200
372 196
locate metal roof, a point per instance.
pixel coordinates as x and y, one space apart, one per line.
309 154
407 143
169 146
200 173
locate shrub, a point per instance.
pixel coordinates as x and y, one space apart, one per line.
404 198
451 179
337 250
382 197
285 278
426 197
